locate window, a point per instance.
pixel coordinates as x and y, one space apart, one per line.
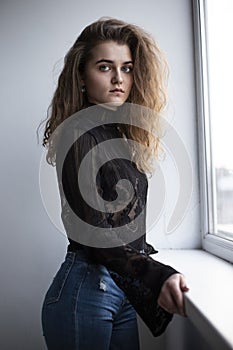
213 29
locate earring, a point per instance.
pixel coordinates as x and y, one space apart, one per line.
83 88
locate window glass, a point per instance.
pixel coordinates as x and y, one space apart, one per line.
219 30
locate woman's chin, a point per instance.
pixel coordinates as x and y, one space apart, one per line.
111 105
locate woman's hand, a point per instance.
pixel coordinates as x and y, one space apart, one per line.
171 296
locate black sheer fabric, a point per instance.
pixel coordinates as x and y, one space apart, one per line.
129 263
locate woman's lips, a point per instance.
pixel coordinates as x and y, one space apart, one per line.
117 90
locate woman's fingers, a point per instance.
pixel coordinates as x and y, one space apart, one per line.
183 284
178 298
171 297
177 292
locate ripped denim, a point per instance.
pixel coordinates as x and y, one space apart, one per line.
84 309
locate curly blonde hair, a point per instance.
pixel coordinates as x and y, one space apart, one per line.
150 72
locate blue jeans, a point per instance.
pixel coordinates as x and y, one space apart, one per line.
84 309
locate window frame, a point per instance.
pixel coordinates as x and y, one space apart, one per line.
211 242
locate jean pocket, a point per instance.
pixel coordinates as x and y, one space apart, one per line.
55 290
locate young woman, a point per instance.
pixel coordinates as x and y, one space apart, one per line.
93 299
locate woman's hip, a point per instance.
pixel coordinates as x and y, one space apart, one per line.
80 284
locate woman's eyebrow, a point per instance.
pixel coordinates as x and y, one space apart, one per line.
110 61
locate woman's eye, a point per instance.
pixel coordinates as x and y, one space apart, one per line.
127 69
104 68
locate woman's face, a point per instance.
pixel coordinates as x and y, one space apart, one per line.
108 75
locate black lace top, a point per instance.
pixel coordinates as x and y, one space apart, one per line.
126 257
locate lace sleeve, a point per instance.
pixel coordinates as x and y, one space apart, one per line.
90 184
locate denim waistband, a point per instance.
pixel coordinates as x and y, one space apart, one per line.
82 254
79 255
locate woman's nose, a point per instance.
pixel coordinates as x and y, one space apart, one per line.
117 77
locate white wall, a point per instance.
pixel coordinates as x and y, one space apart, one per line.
35 35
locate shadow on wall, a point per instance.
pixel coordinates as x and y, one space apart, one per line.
180 335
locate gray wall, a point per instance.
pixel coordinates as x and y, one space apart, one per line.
35 35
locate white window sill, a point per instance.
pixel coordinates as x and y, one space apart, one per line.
209 303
